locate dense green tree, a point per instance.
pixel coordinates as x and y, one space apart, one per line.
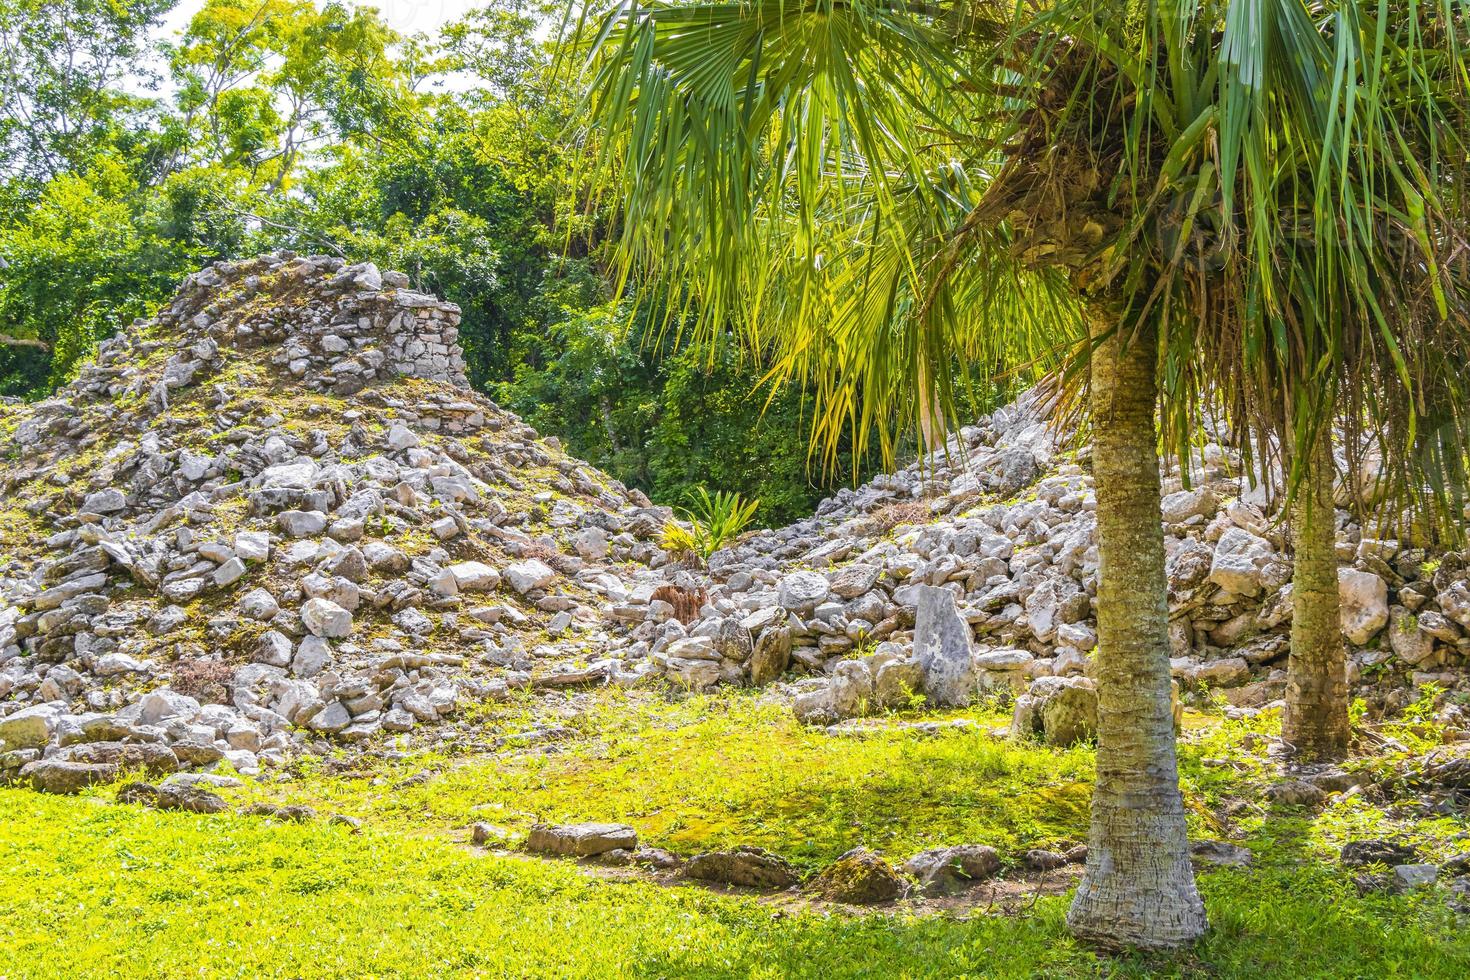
96 251
62 68
261 83
670 420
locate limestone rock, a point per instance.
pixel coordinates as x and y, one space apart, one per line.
63 778
1364 598
581 839
854 580
944 649
1060 710
1183 505
326 619
771 655
747 867
474 576
1240 561
952 870
1221 853
27 728
527 576
802 591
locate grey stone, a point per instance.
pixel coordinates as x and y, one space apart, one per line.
273 648
1412 644
527 576
896 682
1407 877
1295 792
952 870
301 523
27 728
771 656
1364 609
746 867
384 558
474 576
162 705
591 543
65 778
1238 564
1181 506
325 618
581 839
852 688
1225 672
229 573
1221 854
259 605
1060 710
859 877
1454 602
944 649
1356 854
802 591
312 656
253 546
854 580
401 437
117 665
333 718
108 501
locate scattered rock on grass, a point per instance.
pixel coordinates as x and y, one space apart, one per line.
188 799
581 839
1221 854
66 778
748 867
490 835
291 814
1037 859
1407 877
1061 710
859 877
1295 792
951 870
1356 854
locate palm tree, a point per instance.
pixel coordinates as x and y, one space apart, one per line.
1231 203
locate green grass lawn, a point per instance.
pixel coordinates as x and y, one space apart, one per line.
712 772
89 888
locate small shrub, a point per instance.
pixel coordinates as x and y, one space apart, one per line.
714 520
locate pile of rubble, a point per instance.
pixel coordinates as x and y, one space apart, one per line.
274 520
975 570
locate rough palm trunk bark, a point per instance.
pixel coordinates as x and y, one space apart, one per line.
1315 723
1139 887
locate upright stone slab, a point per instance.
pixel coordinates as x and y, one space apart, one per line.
942 645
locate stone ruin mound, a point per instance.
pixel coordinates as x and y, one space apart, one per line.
274 520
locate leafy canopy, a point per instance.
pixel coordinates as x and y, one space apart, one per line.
875 190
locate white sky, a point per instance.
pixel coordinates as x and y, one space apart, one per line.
404 16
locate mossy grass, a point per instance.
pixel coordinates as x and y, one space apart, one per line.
96 889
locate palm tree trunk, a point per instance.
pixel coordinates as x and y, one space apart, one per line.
1316 720
1139 887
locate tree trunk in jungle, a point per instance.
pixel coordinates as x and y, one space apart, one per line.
1315 724
1138 889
